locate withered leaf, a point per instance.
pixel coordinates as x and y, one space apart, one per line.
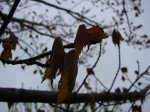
116 37
9 45
87 36
56 60
68 77
6 54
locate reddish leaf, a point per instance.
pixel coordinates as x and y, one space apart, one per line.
6 54
9 45
86 36
56 61
68 77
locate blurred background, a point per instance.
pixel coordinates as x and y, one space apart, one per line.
36 24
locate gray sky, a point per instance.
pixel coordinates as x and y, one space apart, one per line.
13 76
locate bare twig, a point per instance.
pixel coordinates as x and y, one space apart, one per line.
99 55
139 77
89 21
92 68
7 20
127 18
119 56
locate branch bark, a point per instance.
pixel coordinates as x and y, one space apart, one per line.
23 95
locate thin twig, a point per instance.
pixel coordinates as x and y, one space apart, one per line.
127 18
56 106
100 82
92 68
119 56
100 51
99 55
70 12
82 84
7 20
139 77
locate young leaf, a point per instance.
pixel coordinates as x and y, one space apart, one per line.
87 36
68 77
56 61
116 37
8 46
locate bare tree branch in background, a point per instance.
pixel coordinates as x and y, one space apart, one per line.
37 23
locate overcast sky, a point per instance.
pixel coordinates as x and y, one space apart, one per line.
13 76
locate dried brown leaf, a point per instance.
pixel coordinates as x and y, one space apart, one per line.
87 36
9 45
116 37
68 78
56 61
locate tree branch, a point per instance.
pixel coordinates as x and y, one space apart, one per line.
22 95
89 21
11 13
33 60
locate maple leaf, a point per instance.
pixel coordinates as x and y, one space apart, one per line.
56 60
9 45
116 37
87 36
68 77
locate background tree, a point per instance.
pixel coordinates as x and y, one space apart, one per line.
29 27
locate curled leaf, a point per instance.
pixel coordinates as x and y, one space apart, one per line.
68 77
56 61
87 36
